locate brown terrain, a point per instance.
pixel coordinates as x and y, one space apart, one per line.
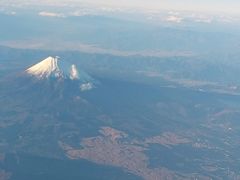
4 175
113 148
167 139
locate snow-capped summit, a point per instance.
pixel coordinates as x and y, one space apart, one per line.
50 67
54 68
74 72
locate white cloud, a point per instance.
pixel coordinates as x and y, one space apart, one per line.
86 86
51 14
205 20
13 13
80 13
173 13
10 13
200 18
174 19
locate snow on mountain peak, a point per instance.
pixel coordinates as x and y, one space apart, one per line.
74 72
50 67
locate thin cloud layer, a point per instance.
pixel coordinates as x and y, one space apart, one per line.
51 14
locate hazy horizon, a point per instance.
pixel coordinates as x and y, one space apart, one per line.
212 6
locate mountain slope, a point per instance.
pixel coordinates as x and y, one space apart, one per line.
53 68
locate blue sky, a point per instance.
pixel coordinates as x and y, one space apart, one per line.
227 6
231 6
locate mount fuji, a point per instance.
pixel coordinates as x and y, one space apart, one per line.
52 68
51 87
49 93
